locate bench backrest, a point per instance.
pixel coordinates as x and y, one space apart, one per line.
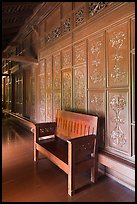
75 124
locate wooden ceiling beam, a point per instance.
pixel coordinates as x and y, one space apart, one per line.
22 59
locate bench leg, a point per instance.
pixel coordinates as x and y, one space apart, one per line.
94 172
35 153
71 170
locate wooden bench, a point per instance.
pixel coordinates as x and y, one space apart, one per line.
70 143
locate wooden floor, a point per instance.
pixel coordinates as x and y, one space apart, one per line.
26 181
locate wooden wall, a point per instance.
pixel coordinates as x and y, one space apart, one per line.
86 64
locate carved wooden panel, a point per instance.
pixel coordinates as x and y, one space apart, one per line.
33 95
80 88
42 97
79 53
118 55
80 16
67 58
42 66
67 89
56 103
66 24
56 72
97 102
96 7
97 106
49 73
96 66
48 107
118 129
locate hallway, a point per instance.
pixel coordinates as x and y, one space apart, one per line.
26 181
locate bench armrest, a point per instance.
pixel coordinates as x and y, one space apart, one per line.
45 129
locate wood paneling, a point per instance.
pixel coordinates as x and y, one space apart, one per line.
42 101
49 87
96 64
67 89
80 88
118 55
118 130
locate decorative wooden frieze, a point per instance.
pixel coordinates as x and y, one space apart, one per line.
55 33
66 58
118 55
66 90
66 26
96 7
79 17
79 96
96 67
80 53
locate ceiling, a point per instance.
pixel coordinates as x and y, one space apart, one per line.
14 15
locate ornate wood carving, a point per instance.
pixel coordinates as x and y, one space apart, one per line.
42 97
118 133
42 67
118 55
33 95
97 102
80 87
56 103
96 53
96 7
55 33
66 25
80 53
66 89
67 58
48 107
79 17
56 72
49 73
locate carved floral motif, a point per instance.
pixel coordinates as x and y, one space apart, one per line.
66 25
117 135
80 54
55 33
96 76
95 7
97 101
66 59
49 107
79 17
67 90
117 41
79 89
57 72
